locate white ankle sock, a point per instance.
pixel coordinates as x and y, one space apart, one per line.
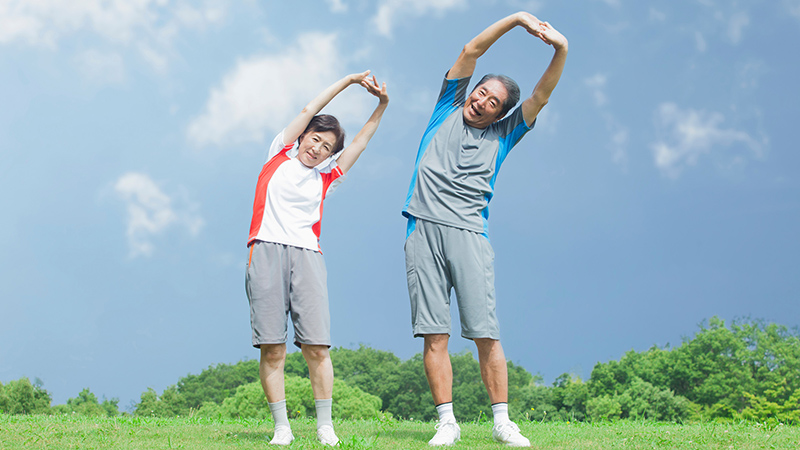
445 411
500 411
324 407
279 415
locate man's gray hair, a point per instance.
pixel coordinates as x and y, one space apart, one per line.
512 88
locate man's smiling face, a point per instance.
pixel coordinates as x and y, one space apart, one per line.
484 105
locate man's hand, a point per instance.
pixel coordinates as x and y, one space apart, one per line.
530 23
551 36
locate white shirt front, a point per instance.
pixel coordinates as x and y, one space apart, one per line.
289 197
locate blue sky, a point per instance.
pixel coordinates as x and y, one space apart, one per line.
660 186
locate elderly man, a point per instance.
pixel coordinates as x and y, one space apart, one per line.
447 245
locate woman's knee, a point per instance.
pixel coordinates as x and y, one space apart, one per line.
273 353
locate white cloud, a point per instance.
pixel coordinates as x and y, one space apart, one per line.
263 93
153 23
732 18
618 143
793 6
748 74
389 11
151 212
736 25
337 6
657 15
532 6
548 121
688 134
700 42
107 68
597 84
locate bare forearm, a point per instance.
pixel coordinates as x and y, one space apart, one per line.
299 123
353 151
549 80
474 49
551 76
481 43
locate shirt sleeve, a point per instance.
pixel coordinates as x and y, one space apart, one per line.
276 146
510 130
332 179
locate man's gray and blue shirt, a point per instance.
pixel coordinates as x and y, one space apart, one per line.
457 165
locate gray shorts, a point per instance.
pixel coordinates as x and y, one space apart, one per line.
283 279
440 258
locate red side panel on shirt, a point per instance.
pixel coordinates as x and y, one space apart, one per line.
261 190
327 180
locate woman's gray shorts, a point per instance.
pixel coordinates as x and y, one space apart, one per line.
283 279
439 258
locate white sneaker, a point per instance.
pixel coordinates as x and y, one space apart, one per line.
283 436
326 435
447 433
508 433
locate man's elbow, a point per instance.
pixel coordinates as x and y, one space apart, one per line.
470 51
540 100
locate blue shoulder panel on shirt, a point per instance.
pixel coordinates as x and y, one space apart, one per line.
444 107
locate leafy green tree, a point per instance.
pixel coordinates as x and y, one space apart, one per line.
250 402
469 394
210 409
605 407
642 400
169 404
22 397
365 368
214 384
350 402
534 402
773 357
709 370
86 404
5 403
570 394
750 369
614 377
296 365
406 394
519 381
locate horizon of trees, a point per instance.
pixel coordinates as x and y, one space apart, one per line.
748 371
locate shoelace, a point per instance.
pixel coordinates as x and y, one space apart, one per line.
441 424
504 428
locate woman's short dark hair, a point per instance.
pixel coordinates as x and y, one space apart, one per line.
326 122
512 88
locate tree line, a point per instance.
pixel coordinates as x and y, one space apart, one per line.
749 370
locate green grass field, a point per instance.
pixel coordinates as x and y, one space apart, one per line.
76 432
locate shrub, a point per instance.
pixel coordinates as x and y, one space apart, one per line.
22 397
249 401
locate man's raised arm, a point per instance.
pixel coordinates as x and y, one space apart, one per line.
541 93
465 64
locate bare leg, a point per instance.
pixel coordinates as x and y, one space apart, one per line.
494 369
320 370
270 371
437 367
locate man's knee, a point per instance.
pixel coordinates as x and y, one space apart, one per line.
315 352
436 342
487 343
